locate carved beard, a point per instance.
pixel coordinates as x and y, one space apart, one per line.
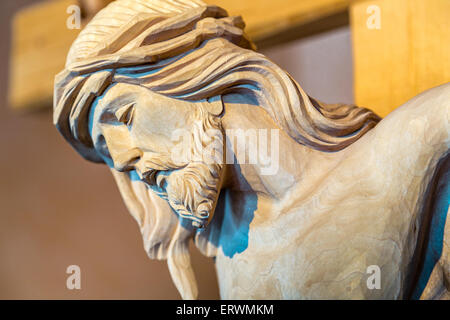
192 192
192 189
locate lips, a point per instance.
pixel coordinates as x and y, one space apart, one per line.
149 177
188 191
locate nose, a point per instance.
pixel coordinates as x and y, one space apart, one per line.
126 160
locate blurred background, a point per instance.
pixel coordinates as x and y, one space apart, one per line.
57 209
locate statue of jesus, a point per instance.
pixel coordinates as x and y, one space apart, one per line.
210 141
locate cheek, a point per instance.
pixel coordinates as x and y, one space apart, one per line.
159 126
160 137
146 139
117 139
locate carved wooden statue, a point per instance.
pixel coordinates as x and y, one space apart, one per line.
211 141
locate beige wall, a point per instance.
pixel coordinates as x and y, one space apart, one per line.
57 209
321 64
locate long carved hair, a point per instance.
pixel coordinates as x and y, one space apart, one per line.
186 50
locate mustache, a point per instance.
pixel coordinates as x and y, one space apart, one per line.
154 172
190 187
191 190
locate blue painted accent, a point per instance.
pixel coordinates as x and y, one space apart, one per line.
91 115
435 243
230 226
249 86
237 216
140 71
91 120
239 98
134 176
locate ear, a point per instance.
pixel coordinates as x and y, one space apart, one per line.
214 105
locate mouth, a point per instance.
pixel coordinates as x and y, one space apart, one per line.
157 181
192 198
154 178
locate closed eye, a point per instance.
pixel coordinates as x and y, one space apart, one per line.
125 114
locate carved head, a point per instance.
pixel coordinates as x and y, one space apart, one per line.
143 69
133 130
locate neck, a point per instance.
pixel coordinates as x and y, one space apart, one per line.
248 196
289 160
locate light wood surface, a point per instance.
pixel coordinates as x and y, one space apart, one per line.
335 193
409 54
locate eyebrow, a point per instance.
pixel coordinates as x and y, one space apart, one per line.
112 114
124 113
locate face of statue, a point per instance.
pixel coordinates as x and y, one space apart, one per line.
133 130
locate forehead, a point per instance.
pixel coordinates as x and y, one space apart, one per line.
156 111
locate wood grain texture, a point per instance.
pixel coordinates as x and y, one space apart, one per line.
41 39
162 96
409 54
